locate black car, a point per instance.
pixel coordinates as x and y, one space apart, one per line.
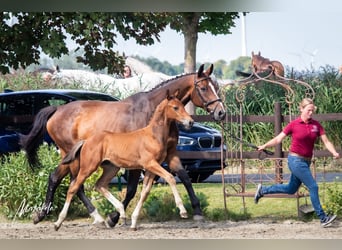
18 109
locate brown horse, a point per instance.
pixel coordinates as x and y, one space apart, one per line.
75 121
140 149
264 65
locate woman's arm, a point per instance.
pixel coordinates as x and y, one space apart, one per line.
329 146
275 141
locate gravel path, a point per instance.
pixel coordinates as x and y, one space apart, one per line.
182 229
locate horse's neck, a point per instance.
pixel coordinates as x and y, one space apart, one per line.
146 102
182 83
160 124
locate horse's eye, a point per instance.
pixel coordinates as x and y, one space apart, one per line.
203 88
176 108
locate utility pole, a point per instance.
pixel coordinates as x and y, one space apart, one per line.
243 34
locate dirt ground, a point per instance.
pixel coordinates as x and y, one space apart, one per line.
182 229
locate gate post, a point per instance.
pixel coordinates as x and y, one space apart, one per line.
278 119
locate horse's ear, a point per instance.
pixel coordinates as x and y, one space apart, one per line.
200 70
209 70
168 94
176 93
252 53
259 54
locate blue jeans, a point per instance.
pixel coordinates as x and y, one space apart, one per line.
300 173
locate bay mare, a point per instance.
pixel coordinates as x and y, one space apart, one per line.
144 148
75 121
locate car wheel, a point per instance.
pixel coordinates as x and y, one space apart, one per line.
197 177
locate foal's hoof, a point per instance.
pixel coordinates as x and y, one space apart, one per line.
57 227
184 215
198 217
112 219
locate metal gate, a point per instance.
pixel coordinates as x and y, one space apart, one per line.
244 170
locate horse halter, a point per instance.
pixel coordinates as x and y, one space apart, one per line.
205 103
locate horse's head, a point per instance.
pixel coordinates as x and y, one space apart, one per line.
260 64
205 93
175 111
264 65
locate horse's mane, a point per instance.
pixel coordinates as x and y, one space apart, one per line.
167 81
136 95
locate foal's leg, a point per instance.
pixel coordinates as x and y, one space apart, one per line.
152 170
147 185
74 186
74 169
54 181
109 172
132 185
158 170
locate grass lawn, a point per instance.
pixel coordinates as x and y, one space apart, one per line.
271 208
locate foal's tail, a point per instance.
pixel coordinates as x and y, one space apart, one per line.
72 155
31 142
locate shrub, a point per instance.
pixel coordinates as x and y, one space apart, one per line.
334 199
23 189
160 205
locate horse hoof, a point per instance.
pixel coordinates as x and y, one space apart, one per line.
184 215
37 217
112 219
57 227
133 228
198 217
110 223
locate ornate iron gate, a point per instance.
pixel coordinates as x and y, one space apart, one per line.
265 168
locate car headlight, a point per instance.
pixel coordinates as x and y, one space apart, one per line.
185 141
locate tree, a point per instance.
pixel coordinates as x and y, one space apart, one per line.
24 35
192 23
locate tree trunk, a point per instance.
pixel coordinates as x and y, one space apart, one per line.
190 33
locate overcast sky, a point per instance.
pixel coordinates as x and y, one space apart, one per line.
297 39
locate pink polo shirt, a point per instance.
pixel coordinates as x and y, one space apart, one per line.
303 136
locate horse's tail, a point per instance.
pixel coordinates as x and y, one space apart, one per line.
31 142
241 73
72 153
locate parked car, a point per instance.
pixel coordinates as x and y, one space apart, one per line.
18 109
200 138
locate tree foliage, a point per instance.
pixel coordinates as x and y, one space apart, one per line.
192 23
242 63
24 35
